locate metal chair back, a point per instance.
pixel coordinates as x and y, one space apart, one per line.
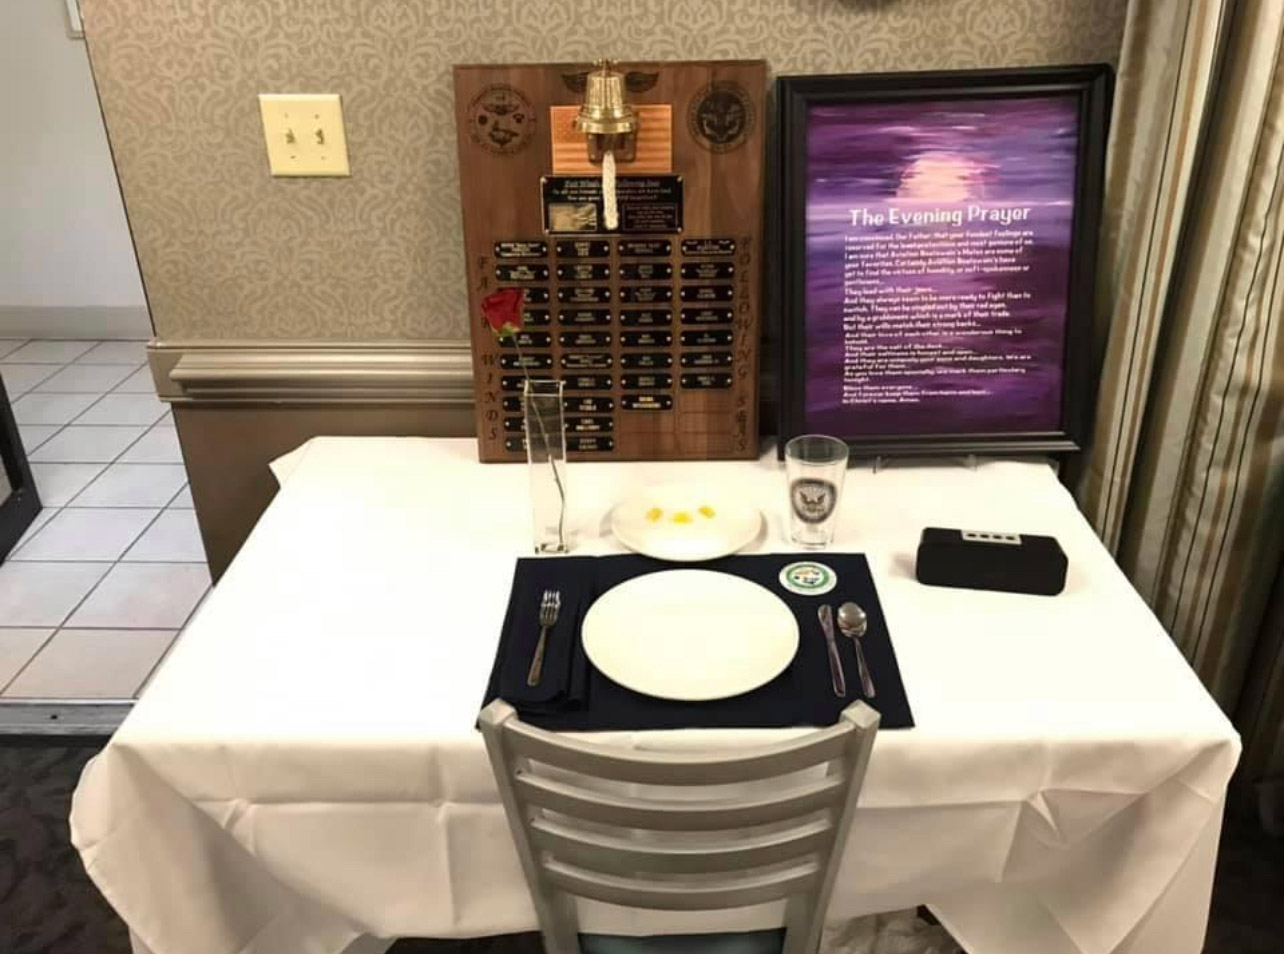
679 831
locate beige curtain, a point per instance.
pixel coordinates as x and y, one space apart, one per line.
1184 478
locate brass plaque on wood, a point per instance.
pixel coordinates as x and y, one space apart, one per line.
654 149
608 303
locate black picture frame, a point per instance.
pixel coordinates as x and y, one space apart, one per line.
795 95
19 509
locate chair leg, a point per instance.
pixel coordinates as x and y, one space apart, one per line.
553 944
562 936
803 925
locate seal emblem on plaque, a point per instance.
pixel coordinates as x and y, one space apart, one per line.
721 116
501 120
813 500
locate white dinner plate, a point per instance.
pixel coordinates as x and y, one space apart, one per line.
690 634
685 522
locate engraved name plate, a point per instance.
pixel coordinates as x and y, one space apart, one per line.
521 248
635 382
645 248
588 425
586 361
645 317
584 294
527 339
584 316
532 362
584 339
708 292
646 402
645 271
588 405
709 246
706 381
587 382
646 359
646 339
583 248
521 273
706 316
706 338
708 270
589 443
645 294
707 359
583 272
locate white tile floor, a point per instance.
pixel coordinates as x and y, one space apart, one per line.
95 593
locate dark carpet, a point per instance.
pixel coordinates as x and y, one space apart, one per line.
48 905
1248 895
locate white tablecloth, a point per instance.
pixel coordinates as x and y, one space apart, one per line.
304 769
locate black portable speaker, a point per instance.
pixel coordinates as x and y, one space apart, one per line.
984 560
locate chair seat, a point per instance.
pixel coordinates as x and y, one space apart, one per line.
746 942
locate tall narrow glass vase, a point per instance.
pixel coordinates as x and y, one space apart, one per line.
546 454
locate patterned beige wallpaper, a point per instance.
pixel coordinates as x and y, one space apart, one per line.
229 252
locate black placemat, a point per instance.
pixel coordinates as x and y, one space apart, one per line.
573 695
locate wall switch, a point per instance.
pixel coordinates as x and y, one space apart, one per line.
304 134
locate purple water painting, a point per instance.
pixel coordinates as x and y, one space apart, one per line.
899 344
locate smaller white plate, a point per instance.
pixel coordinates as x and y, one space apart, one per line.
692 635
685 522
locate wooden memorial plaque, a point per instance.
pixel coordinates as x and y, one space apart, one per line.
653 326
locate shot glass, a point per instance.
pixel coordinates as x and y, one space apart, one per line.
815 466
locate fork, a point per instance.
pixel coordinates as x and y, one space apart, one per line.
550 605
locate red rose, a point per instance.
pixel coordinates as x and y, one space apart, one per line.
503 311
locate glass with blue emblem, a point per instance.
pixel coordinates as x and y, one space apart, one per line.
815 466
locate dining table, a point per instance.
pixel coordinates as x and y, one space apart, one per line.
304 772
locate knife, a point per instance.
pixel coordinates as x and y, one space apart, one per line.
825 613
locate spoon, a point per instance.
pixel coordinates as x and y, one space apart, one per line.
853 622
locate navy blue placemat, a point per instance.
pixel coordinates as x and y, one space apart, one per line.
573 695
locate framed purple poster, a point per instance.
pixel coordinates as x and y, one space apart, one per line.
939 232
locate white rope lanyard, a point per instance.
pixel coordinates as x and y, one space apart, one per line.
610 210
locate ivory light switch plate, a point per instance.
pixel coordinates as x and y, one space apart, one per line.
304 133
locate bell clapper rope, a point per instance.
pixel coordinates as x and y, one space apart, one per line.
610 209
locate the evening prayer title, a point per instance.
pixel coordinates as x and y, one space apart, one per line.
978 214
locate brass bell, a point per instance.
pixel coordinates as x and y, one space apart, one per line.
605 118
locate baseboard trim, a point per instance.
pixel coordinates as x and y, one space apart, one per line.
313 372
61 718
90 322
